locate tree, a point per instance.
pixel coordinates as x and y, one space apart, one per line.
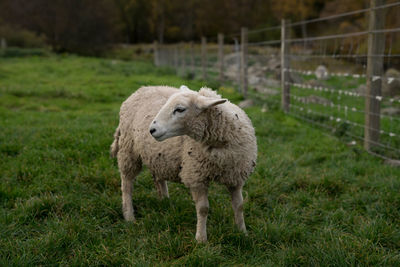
133 18
83 26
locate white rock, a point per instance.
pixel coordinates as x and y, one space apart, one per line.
321 72
391 83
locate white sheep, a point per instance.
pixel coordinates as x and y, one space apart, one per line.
204 138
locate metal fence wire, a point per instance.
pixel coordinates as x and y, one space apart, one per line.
346 82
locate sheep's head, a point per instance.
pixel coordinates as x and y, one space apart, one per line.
182 107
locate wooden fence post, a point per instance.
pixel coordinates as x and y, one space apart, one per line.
243 65
3 44
156 54
170 56
221 56
237 53
176 58
183 59
285 63
160 56
204 57
376 47
192 67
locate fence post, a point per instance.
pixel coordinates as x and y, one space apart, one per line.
160 56
170 56
156 54
183 59
285 77
243 65
221 56
192 59
376 47
3 44
176 58
237 53
204 57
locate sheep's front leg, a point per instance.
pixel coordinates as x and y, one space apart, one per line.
237 205
162 189
200 197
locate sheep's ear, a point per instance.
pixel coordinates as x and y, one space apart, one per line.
207 102
184 88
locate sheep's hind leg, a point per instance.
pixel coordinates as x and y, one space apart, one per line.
126 188
237 205
128 174
162 188
200 197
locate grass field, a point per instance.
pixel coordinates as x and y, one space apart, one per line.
311 201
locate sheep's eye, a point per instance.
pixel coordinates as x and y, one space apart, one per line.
179 110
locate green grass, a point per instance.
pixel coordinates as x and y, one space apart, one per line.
311 201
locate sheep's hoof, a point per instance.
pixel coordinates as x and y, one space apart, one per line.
162 197
129 218
201 239
244 231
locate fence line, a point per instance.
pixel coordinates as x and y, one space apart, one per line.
265 29
348 98
345 14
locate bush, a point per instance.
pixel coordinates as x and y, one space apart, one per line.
23 52
130 52
21 38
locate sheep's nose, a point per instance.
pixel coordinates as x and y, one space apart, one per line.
152 130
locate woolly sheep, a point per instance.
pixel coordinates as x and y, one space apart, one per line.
185 136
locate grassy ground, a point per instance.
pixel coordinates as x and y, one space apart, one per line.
311 200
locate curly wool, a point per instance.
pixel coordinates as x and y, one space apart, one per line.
220 144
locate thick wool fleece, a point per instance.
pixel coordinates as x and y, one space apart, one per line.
219 145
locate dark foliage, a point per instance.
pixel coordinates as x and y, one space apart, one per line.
82 26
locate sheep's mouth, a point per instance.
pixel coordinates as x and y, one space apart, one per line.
167 134
160 137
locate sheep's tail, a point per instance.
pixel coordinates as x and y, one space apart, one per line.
114 146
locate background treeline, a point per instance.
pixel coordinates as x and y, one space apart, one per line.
87 26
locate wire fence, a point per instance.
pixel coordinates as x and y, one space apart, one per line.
347 83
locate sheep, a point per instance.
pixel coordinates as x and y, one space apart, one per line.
185 136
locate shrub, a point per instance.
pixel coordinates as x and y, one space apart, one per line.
23 52
21 38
